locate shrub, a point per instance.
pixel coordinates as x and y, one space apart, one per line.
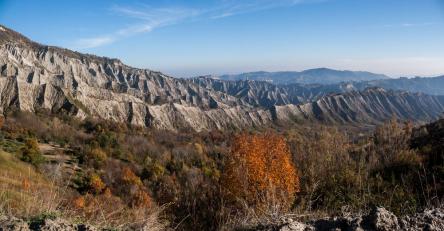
259 170
88 183
96 184
26 184
79 202
130 178
97 156
390 139
141 199
322 155
31 152
155 169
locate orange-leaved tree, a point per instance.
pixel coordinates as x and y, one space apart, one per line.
135 189
259 172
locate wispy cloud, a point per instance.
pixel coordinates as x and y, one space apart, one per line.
418 24
94 42
405 25
233 7
150 18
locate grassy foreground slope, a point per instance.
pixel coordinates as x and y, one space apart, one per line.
23 191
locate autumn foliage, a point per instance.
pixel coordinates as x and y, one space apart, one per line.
31 152
134 186
260 170
96 184
130 178
79 202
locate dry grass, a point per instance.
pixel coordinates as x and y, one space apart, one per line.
23 191
26 193
108 211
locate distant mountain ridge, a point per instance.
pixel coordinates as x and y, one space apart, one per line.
428 85
265 94
311 76
262 93
366 107
36 77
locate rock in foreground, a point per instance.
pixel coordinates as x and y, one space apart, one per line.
379 219
14 224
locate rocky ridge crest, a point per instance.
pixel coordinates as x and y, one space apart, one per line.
36 77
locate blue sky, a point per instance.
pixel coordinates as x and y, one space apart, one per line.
190 37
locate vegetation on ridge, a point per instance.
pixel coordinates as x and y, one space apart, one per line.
214 180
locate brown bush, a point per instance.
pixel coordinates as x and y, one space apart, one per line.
322 156
390 139
107 193
260 170
26 184
110 211
79 202
129 177
96 184
31 152
141 199
97 156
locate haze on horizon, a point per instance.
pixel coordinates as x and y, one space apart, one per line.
190 38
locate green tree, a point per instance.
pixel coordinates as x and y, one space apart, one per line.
31 152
